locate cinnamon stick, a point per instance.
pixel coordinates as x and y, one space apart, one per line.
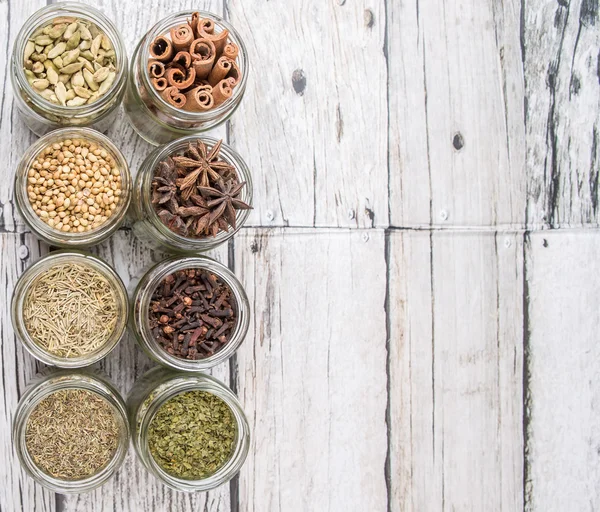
199 99
222 92
161 49
205 25
182 36
183 59
203 53
219 71
234 73
160 83
177 77
156 68
207 30
231 50
174 97
194 23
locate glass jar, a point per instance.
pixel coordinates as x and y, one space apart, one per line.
71 239
141 296
30 276
147 224
49 382
155 388
152 117
42 116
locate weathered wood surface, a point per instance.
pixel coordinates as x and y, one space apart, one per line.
418 362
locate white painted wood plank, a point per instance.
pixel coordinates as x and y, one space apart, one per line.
313 122
19 492
456 134
455 411
312 374
563 440
562 74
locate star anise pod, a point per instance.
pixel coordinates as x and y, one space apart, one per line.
223 200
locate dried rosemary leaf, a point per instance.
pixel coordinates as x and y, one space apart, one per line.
192 435
72 434
70 310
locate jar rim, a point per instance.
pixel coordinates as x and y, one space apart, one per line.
50 234
59 380
175 385
142 296
85 11
160 28
29 277
144 180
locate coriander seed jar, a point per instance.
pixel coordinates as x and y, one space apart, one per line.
157 387
52 381
148 225
34 182
32 275
41 115
153 118
142 293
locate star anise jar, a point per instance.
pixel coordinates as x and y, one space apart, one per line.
161 206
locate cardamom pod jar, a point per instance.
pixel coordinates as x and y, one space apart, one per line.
155 389
153 118
57 262
143 293
39 113
88 384
79 203
148 226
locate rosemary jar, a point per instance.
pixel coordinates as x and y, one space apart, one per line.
148 225
148 406
73 187
43 114
69 309
155 119
182 308
88 418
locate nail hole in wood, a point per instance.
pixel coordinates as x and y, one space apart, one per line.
369 18
545 243
458 142
299 81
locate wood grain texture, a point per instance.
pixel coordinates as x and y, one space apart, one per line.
563 352
455 370
562 73
19 492
312 126
456 133
311 375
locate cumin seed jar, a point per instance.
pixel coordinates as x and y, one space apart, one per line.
73 187
153 118
148 225
147 400
41 115
86 384
69 308
146 295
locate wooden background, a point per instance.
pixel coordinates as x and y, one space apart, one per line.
421 259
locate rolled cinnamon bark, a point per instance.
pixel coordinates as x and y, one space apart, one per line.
193 22
222 92
156 68
161 49
174 97
199 99
183 59
231 50
219 71
180 77
160 83
207 30
181 37
202 52
234 73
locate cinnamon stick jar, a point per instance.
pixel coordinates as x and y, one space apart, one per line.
160 118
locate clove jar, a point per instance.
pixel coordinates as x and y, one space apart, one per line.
153 118
147 224
146 291
155 390
42 115
89 386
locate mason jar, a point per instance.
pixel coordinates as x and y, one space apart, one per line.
147 224
141 297
39 114
54 236
152 117
29 278
48 382
154 389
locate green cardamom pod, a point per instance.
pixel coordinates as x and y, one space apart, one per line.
58 50
96 45
73 41
77 79
38 67
85 45
70 56
101 74
85 32
41 57
82 92
29 49
70 94
52 75
71 68
106 85
77 101
70 30
87 65
87 55
55 31
40 84
43 40
106 44
89 79
61 92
